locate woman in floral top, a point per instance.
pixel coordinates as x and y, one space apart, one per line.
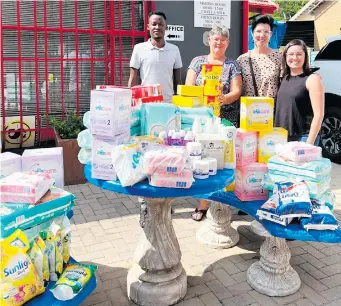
218 41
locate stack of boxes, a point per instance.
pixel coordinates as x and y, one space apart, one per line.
255 144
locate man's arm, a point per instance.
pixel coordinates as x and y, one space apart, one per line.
132 77
176 79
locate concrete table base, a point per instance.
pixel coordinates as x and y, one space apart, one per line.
258 229
273 275
216 232
158 277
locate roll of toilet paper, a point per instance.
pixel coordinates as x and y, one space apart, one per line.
201 169
194 148
212 165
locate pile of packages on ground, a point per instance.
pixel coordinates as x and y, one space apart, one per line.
35 229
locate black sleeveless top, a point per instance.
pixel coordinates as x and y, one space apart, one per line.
293 107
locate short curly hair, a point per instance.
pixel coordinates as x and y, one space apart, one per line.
218 29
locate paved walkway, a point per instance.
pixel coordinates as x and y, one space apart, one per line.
106 230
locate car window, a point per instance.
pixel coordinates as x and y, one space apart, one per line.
331 51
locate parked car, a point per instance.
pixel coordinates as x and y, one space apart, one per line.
328 60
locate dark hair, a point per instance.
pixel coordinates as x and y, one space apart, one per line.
295 42
162 14
266 19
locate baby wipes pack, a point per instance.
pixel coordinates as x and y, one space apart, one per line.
211 79
256 113
246 148
213 103
9 163
49 160
172 180
267 142
190 91
19 280
157 117
299 152
187 101
249 182
110 111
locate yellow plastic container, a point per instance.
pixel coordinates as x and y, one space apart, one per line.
267 142
256 114
211 79
187 101
190 91
212 102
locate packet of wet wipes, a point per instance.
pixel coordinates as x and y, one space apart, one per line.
72 281
294 200
321 219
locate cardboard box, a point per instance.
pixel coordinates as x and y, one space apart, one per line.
9 163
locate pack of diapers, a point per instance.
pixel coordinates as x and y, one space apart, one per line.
135 118
313 170
211 79
321 219
24 187
157 117
135 130
19 280
293 198
246 148
9 163
256 113
249 182
268 140
188 114
167 159
268 211
172 180
86 120
84 139
84 156
126 162
299 152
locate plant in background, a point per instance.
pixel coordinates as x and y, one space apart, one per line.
69 127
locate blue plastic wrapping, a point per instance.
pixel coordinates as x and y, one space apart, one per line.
213 183
292 231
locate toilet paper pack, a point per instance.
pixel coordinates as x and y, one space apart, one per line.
267 142
246 148
9 163
49 160
110 112
249 182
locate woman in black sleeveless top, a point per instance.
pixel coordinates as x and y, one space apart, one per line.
300 98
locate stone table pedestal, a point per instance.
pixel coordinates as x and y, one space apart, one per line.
216 231
157 277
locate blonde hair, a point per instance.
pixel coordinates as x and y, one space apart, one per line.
218 29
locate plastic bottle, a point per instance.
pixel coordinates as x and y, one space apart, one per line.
197 128
163 137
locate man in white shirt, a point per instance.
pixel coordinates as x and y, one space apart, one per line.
158 61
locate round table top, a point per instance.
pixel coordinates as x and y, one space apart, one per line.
214 183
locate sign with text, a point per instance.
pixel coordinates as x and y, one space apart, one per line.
175 32
208 13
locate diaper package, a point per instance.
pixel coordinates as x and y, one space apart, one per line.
188 114
246 148
19 280
256 113
110 111
49 160
314 170
267 142
157 117
190 91
299 152
135 118
135 130
85 156
86 119
102 167
213 103
127 165
84 139
211 79
321 219
9 163
168 180
214 145
187 101
167 159
72 281
24 187
249 182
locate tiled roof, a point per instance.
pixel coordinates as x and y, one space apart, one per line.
263 3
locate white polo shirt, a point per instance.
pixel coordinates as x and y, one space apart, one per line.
156 65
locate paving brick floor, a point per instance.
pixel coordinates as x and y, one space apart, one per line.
106 231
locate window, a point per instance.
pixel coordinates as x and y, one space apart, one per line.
331 51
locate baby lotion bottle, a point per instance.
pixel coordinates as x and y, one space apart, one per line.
169 138
176 139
